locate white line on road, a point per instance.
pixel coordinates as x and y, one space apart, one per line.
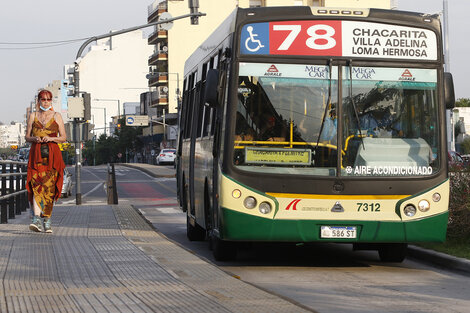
164 210
96 187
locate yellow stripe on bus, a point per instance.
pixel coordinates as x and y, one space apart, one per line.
339 197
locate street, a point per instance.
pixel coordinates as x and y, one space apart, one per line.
321 277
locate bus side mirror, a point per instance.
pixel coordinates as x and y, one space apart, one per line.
449 96
210 90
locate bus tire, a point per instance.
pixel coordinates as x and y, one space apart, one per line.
196 232
184 196
393 252
223 250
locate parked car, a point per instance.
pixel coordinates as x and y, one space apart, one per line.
166 156
67 184
455 160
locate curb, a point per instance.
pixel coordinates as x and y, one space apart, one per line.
443 260
147 171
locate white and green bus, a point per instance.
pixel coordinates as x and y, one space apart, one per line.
303 124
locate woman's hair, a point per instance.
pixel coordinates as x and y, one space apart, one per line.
41 94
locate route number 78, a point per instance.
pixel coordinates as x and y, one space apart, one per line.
320 36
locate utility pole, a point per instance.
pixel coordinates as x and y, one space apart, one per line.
193 9
449 113
78 145
166 22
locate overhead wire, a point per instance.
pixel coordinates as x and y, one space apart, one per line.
38 45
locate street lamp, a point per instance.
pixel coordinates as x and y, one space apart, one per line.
167 21
104 118
118 102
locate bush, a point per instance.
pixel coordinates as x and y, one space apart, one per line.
459 206
466 145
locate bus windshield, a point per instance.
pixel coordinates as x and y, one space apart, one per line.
396 132
286 120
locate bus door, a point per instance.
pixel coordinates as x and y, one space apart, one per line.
218 135
192 154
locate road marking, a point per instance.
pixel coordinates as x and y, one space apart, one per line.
164 210
170 210
85 195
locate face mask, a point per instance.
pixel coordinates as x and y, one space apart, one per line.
44 109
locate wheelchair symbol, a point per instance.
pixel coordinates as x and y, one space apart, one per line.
256 43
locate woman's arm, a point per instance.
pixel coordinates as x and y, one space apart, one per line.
29 128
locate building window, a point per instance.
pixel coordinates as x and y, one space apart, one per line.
315 3
256 3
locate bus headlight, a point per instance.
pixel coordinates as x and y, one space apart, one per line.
249 202
236 193
409 210
424 205
265 208
436 197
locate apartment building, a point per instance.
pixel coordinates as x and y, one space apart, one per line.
114 73
12 135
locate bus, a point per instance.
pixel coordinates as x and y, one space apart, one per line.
305 124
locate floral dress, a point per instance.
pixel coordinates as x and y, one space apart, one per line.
45 175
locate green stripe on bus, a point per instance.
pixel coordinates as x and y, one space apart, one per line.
244 227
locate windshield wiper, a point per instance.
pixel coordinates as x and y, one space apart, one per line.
328 102
354 104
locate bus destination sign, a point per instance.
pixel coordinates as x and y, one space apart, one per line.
277 156
338 38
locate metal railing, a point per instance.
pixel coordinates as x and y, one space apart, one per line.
13 193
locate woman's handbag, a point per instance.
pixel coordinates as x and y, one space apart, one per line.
44 151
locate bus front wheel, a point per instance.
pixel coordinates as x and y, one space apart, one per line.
393 252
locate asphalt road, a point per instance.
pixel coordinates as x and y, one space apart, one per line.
322 277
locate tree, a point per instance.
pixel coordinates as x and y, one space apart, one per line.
105 149
462 102
128 138
466 145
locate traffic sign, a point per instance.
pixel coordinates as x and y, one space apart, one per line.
137 120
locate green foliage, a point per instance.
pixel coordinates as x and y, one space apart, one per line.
458 248
459 206
105 149
462 102
8 151
465 146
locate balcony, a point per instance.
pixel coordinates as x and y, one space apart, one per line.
157 79
157 36
158 98
154 11
158 56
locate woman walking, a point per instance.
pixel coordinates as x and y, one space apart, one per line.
45 130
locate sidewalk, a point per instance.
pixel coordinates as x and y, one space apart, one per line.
429 256
104 258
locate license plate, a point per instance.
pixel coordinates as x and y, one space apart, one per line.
338 232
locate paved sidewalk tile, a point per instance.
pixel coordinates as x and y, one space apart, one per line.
105 258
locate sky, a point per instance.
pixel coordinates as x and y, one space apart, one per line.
24 70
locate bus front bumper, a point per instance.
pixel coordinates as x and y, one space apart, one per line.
238 226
